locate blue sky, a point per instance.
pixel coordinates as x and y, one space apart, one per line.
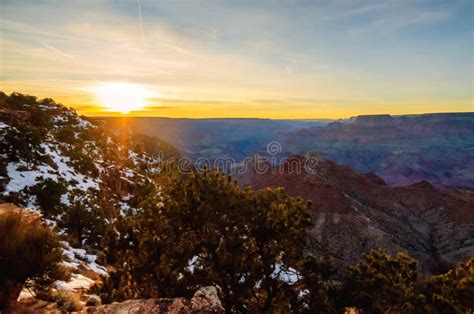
279 59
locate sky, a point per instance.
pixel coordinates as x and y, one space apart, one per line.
266 59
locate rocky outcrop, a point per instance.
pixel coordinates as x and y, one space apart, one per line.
206 298
353 213
204 301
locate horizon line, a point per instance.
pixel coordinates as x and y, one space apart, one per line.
284 119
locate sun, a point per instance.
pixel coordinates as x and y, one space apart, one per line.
122 97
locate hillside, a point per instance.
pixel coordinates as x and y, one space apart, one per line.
48 148
354 212
73 173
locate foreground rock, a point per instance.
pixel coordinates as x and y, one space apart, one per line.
205 300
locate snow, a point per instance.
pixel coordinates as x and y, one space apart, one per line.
77 282
3 125
23 175
192 263
85 124
65 200
21 179
286 274
67 172
124 208
128 173
25 294
303 293
59 120
46 107
62 285
77 256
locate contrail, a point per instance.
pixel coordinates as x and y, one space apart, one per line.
141 20
56 50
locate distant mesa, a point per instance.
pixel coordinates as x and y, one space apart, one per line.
373 120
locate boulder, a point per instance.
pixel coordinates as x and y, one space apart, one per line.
204 301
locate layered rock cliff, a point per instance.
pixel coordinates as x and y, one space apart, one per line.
354 212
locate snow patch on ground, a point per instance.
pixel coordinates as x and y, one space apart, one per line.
77 282
85 124
192 263
25 294
78 257
20 179
67 172
62 285
286 274
23 175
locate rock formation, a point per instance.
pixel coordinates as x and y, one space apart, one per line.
354 212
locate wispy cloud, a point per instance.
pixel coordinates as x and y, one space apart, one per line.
57 51
140 19
315 55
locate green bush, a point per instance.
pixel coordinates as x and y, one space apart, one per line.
316 293
83 220
48 195
66 135
379 283
237 239
452 292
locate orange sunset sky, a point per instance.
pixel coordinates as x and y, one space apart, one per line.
200 59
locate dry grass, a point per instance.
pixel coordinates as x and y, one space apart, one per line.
69 301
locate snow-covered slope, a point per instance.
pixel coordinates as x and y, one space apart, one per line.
72 171
66 149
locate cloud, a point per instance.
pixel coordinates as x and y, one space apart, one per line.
57 51
222 54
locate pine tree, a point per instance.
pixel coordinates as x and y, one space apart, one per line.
205 230
379 283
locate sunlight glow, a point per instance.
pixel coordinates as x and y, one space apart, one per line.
122 97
